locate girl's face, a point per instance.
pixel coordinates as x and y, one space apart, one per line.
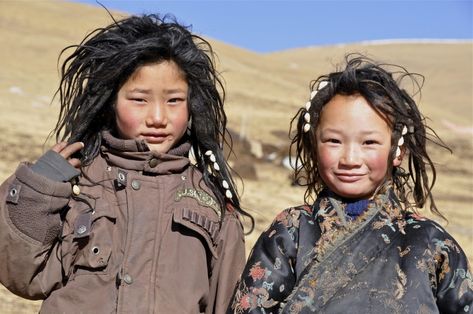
353 146
152 105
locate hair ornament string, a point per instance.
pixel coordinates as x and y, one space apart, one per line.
321 85
216 167
400 142
213 159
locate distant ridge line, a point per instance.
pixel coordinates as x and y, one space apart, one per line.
380 42
410 41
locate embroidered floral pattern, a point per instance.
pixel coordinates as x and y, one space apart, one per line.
256 272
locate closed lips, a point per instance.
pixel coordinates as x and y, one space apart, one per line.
348 176
154 137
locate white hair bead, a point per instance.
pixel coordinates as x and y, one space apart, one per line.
306 127
398 152
225 184
322 85
312 94
404 130
212 158
307 117
228 194
401 141
307 105
216 166
208 153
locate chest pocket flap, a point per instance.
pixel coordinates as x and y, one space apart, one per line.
100 222
201 224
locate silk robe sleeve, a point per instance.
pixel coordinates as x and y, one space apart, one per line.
269 275
454 287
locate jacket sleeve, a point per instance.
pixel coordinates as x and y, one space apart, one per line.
269 275
454 280
30 222
229 264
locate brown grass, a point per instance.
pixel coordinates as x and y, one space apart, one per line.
264 91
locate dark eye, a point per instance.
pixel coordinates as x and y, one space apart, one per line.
137 99
333 141
175 100
370 142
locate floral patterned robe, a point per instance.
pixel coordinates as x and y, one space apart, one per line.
316 260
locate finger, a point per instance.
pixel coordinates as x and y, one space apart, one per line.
59 146
75 162
71 149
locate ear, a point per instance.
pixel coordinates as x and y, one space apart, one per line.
398 160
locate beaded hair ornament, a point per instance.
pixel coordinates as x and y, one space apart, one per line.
216 168
306 113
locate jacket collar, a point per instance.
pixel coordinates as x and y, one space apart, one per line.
135 155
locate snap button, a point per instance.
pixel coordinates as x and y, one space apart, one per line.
128 279
82 225
13 193
153 162
121 179
95 250
121 176
135 184
82 229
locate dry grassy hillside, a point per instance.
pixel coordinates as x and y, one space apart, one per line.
264 91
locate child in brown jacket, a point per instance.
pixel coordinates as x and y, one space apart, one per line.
137 211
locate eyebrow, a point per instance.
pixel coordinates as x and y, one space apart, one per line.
174 90
140 90
339 131
148 91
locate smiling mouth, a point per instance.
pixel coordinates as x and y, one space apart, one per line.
349 178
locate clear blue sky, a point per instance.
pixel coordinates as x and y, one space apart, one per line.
266 26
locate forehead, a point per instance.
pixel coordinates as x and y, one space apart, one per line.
163 68
352 112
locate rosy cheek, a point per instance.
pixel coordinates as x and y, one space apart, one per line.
325 158
127 122
180 120
379 161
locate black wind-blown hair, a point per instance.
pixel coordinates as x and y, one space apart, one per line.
93 73
380 85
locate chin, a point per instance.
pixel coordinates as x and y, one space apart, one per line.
352 194
158 148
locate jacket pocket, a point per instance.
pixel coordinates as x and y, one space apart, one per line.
92 236
201 224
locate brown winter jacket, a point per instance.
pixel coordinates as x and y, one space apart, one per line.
143 236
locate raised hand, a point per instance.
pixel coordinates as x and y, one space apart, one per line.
67 150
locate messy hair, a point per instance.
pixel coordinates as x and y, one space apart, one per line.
380 84
95 70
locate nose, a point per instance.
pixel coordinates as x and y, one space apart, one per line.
157 115
351 156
